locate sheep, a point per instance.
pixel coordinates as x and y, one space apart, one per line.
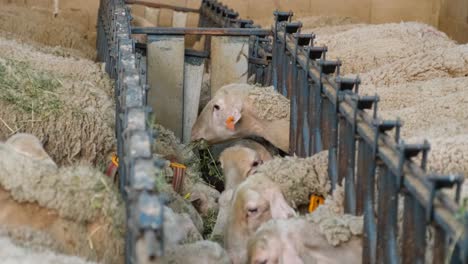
14 254
437 63
298 178
200 252
30 146
242 110
240 161
72 110
74 203
326 235
255 201
382 43
225 199
299 240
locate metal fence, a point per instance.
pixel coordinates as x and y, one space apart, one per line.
327 113
137 167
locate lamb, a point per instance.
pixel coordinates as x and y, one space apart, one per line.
255 201
240 161
243 110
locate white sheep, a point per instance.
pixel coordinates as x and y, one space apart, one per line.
299 177
78 199
14 254
365 48
243 110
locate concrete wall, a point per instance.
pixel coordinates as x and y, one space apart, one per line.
454 19
451 16
83 12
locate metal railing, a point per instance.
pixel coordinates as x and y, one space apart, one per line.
137 168
327 113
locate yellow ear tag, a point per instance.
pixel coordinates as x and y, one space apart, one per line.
315 201
115 160
230 123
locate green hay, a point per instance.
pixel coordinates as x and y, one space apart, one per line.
209 221
27 89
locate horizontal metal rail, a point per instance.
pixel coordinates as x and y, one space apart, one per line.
202 31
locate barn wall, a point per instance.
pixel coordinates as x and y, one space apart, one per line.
451 16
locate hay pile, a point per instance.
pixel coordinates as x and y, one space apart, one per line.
66 101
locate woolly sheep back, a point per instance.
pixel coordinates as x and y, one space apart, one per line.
299 177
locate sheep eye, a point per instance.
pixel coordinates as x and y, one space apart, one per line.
255 164
216 107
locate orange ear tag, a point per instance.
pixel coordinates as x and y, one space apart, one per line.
315 201
230 123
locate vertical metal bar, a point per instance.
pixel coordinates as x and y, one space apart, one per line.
325 123
275 57
269 74
360 177
300 99
414 232
365 201
312 117
286 73
333 143
440 245
293 95
316 121
279 65
306 134
346 165
387 251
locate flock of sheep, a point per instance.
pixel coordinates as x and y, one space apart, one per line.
421 77
47 192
